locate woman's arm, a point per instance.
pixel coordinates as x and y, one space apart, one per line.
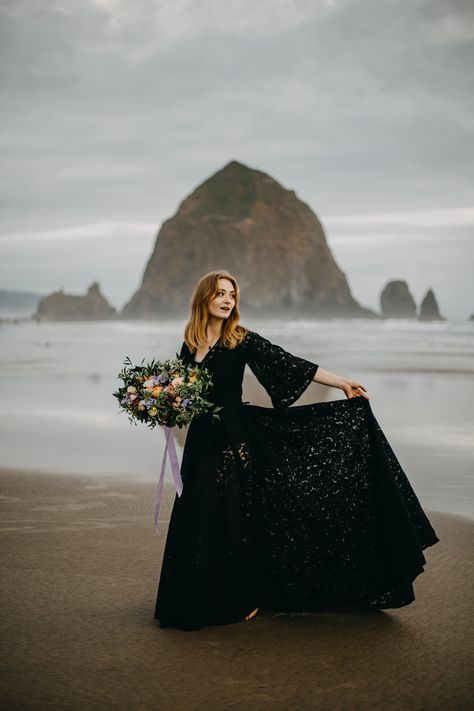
351 388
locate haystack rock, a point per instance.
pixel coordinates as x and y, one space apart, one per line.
396 300
429 310
59 306
242 220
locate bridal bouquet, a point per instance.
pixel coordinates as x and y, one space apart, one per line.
167 393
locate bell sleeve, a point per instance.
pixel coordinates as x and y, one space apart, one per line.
284 376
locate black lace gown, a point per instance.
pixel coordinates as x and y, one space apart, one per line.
286 508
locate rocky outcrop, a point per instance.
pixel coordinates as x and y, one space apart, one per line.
396 300
59 306
429 310
242 220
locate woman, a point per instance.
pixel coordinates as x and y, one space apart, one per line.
283 508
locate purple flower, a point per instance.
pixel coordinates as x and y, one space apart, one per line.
127 399
154 380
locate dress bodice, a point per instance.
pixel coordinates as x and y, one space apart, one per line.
283 375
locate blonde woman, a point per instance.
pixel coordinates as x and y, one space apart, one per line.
284 508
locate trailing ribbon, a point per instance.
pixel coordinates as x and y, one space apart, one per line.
174 468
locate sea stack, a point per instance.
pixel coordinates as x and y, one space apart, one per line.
429 310
396 300
59 306
242 220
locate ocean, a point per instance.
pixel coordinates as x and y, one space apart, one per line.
57 412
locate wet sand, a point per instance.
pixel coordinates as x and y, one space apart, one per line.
80 568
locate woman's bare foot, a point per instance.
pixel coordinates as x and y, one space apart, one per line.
252 614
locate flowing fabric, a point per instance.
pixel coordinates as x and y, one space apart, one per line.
170 450
286 508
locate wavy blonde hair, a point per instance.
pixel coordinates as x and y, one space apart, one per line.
195 330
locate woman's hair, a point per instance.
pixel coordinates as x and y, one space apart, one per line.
195 330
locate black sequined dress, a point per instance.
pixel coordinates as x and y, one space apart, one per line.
286 508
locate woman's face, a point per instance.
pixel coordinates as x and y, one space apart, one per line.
221 305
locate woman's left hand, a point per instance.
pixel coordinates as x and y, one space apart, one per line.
352 388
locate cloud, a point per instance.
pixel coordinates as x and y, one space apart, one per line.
113 112
448 217
186 18
112 253
438 258
453 24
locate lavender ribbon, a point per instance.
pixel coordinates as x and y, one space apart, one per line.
170 445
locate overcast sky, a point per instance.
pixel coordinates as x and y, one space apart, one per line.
113 111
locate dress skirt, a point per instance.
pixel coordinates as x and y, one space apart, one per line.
289 509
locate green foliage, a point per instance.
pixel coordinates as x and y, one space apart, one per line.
166 392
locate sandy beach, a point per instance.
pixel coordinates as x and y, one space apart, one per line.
81 563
